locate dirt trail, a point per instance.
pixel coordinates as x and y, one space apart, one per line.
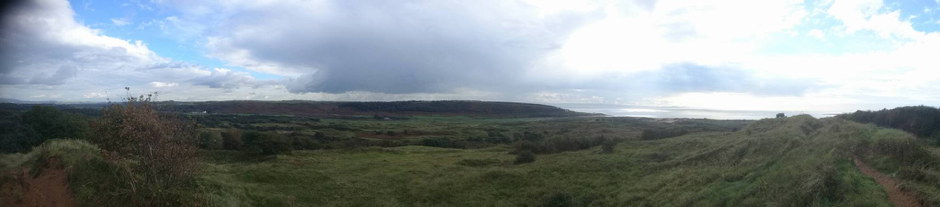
49 189
898 197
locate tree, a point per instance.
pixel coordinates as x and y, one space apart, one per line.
53 123
16 136
161 150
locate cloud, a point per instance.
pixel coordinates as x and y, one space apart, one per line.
818 34
225 79
59 77
649 52
95 95
421 46
46 51
157 84
870 15
120 22
42 38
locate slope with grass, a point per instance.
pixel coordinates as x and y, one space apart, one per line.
797 161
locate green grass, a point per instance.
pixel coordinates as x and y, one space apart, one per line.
799 161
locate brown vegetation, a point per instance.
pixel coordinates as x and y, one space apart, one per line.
160 151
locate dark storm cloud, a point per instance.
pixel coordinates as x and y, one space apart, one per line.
395 47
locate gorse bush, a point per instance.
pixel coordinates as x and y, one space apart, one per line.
161 149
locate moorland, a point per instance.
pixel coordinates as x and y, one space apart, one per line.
456 153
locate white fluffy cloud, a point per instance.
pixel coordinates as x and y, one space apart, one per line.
47 52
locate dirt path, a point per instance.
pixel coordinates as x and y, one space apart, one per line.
898 197
49 189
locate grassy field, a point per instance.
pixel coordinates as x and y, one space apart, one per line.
796 161
799 161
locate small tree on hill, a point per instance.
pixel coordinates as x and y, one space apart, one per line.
160 149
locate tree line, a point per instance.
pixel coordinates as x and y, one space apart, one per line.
922 121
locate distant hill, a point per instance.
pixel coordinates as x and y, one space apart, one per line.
396 108
923 121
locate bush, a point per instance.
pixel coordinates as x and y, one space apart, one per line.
266 143
608 146
232 139
524 157
161 151
210 140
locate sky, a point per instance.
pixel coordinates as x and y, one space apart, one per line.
823 56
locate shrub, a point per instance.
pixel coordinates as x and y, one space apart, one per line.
210 140
524 157
266 143
232 139
162 150
608 146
